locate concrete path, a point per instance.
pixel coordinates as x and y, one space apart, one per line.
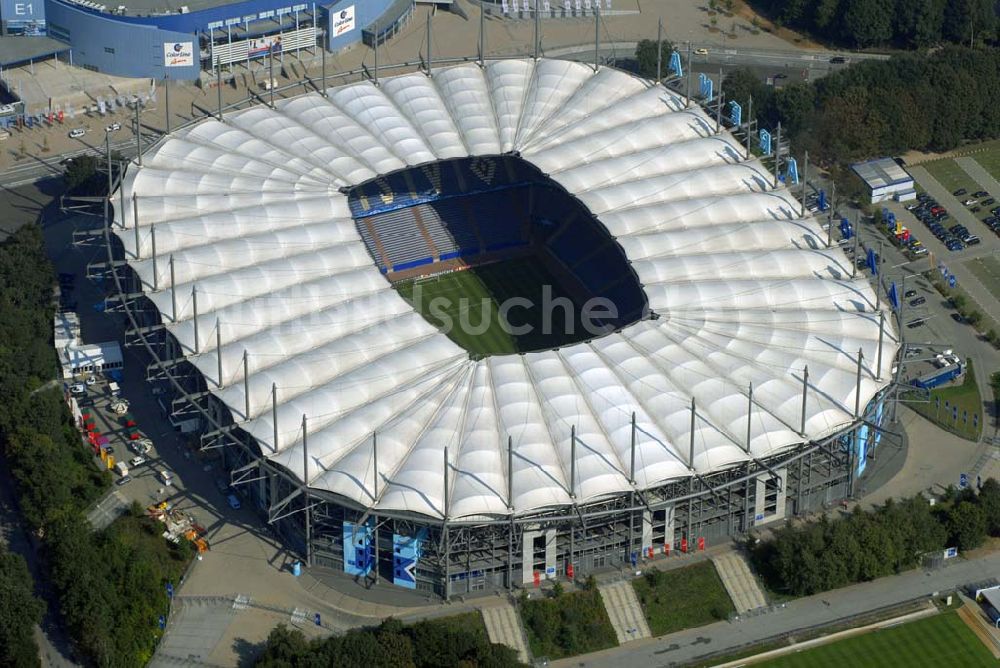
739 582
624 611
504 627
804 613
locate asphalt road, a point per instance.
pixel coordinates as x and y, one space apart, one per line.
803 613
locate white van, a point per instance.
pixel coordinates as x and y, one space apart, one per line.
165 476
121 469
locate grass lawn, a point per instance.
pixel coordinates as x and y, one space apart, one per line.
990 160
682 598
567 625
951 176
466 306
467 622
987 270
965 397
942 640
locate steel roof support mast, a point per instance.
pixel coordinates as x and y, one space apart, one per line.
537 43
305 490
482 35
597 36
659 51
429 49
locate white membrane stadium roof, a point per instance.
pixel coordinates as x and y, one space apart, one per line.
746 291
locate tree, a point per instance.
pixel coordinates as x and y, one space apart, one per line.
79 171
645 56
967 525
918 22
968 21
868 22
20 611
989 502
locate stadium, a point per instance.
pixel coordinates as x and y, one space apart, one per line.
711 363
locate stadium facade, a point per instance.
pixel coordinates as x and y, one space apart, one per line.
150 38
746 385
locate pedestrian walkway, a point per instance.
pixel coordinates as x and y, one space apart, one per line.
624 611
504 627
739 582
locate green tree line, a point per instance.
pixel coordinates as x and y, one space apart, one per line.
426 644
19 612
810 558
930 102
110 583
898 23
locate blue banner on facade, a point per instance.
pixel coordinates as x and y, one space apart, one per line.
405 556
862 448
359 552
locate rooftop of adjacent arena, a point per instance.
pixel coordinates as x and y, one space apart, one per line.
254 215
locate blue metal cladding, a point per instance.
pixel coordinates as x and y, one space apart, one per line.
110 45
194 21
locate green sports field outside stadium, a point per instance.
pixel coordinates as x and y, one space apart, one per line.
941 641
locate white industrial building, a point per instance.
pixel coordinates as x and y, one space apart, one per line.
77 358
886 179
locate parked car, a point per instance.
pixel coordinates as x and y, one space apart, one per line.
124 480
838 60
91 380
76 133
910 293
989 201
913 324
972 240
701 51
114 127
234 501
165 476
960 192
969 202
918 301
979 193
77 388
975 209
954 245
957 317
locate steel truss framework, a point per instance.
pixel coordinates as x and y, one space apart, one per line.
488 554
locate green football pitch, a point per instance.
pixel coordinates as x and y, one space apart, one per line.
933 642
467 306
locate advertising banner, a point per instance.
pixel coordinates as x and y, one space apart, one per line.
358 550
261 45
405 556
178 54
343 22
